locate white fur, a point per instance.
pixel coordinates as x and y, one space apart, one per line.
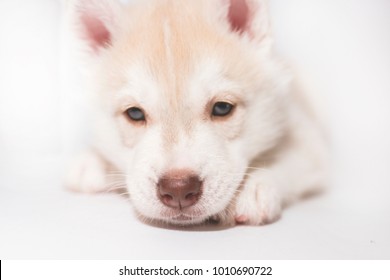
268 153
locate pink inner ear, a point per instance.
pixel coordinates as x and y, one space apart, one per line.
96 32
238 15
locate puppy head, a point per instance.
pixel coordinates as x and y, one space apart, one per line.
188 93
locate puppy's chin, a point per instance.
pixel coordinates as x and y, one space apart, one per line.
176 217
181 220
185 220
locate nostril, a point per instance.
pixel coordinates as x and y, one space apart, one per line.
167 197
190 199
191 196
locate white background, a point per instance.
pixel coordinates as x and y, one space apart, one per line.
341 47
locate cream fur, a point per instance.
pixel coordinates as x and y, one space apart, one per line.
175 59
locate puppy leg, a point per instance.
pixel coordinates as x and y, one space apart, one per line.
300 168
260 201
88 173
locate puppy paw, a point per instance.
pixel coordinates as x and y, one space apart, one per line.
258 203
87 174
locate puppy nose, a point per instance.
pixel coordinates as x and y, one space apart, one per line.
179 189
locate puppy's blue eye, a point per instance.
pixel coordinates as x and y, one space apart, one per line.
222 109
135 114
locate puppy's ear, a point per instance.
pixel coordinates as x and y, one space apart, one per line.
96 21
248 18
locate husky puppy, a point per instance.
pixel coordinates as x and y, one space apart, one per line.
194 111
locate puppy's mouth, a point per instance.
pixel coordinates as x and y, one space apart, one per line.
183 217
182 198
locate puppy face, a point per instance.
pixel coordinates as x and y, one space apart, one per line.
186 97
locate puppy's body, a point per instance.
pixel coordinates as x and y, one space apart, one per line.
194 111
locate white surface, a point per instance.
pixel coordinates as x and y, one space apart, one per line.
342 46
